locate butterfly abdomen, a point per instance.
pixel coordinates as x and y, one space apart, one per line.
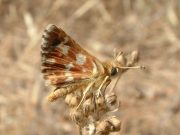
62 92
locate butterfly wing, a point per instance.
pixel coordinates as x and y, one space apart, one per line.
63 60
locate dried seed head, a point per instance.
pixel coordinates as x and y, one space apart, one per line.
103 128
88 107
72 100
91 129
135 56
115 124
111 99
121 59
77 116
110 124
100 103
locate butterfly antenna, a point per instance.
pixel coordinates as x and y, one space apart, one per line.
133 67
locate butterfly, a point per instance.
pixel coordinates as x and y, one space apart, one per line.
67 67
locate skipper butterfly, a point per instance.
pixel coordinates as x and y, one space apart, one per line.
69 68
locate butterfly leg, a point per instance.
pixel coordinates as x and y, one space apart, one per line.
102 84
85 93
115 83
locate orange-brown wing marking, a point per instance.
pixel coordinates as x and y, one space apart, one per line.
63 60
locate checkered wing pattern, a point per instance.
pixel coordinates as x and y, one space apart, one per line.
63 60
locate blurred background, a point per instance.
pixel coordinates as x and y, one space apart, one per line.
150 100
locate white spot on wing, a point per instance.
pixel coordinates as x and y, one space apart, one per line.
66 39
44 41
64 48
80 59
69 66
51 60
69 77
47 82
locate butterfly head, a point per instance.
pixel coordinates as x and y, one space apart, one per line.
122 62
117 62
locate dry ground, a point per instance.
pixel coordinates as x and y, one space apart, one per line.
150 99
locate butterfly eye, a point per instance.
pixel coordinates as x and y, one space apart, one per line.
114 71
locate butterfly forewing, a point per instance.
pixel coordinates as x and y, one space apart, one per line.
63 60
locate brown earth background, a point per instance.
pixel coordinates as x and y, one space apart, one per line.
150 100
